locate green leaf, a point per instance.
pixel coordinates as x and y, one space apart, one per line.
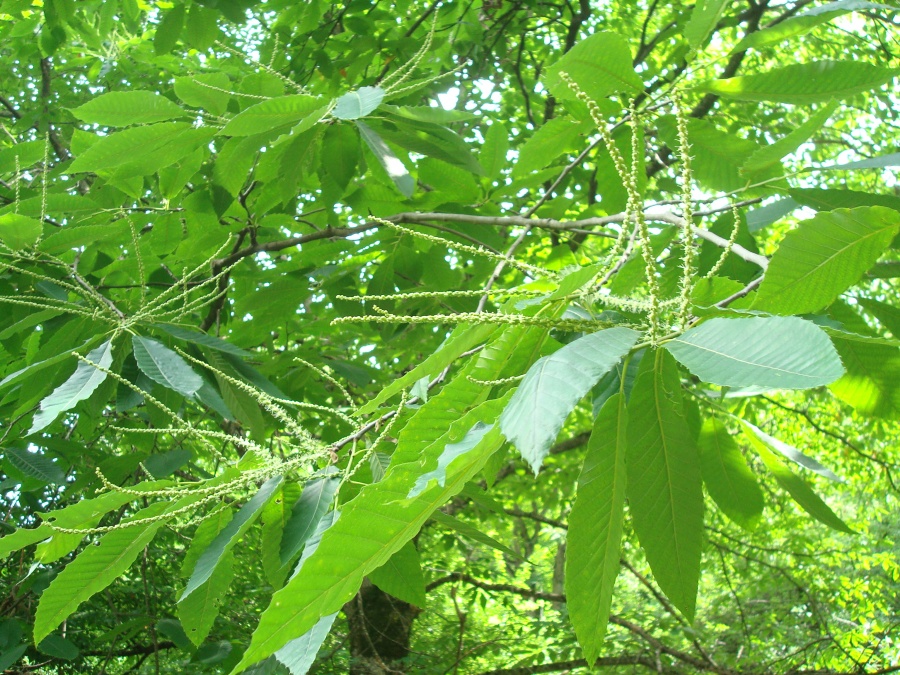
201 28
600 65
401 576
125 108
472 532
493 153
872 382
199 610
665 495
770 155
554 385
273 519
18 232
463 338
703 20
801 493
277 112
58 647
342 153
395 169
141 151
95 568
314 502
164 366
358 103
823 257
209 91
717 155
229 536
166 463
887 315
198 338
773 352
549 143
802 23
372 527
450 453
804 83
36 465
298 654
793 454
728 479
594 537
169 30
82 383
21 538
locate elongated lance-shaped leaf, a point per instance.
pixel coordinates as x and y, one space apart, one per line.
124 108
395 169
554 385
793 454
796 487
372 527
872 382
83 382
204 339
803 23
594 537
600 65
164 366
199 610
306 513
703 19
472 532
402 576
665 494
271 114
462 339
824 257
772 154
804 83
96 567
359 103
35 464
230 535
776 352
273 519
299 654
728 479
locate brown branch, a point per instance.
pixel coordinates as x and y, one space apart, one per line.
603 662
62 152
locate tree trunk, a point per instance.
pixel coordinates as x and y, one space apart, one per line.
379 631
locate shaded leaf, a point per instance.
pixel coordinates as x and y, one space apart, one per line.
314 502
665 496
18 232
703 19
594 537
728 479
395 169
401 576
229 536
36 465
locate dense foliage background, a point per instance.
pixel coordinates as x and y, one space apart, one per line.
299 297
